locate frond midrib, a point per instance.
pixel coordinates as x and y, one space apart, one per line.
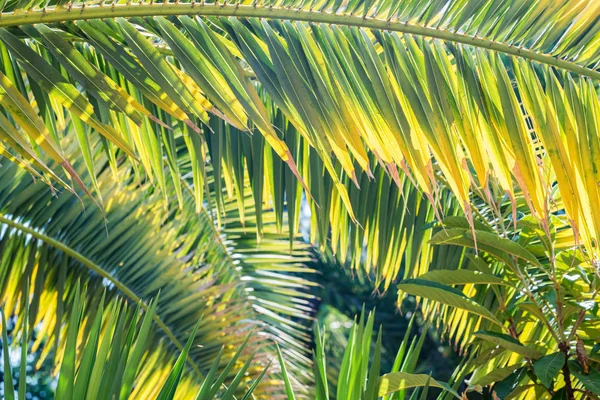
4 219
129 10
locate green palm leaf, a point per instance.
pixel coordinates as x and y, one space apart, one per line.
261 285
393 80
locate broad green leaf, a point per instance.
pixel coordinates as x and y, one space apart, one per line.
497 246
424 393
547 367
464 223
462 277
509 343
445 295
506 386
497 375
595 349
560 394
591 381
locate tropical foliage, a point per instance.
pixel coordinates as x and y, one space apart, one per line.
161 156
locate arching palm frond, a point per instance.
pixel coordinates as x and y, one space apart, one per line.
138 252
474 92
112 345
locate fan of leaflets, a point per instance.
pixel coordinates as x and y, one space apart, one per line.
471 92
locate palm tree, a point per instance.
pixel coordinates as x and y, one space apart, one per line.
225 114
138 253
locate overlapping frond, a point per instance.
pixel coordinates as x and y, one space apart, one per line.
103 363
276 283
247 107
137 252
461 90
388 234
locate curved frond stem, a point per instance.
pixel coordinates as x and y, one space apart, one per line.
84 12
100 271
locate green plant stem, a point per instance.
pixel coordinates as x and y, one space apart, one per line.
100 271
82 12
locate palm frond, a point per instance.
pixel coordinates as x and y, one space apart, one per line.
193 268
493 102
466 90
